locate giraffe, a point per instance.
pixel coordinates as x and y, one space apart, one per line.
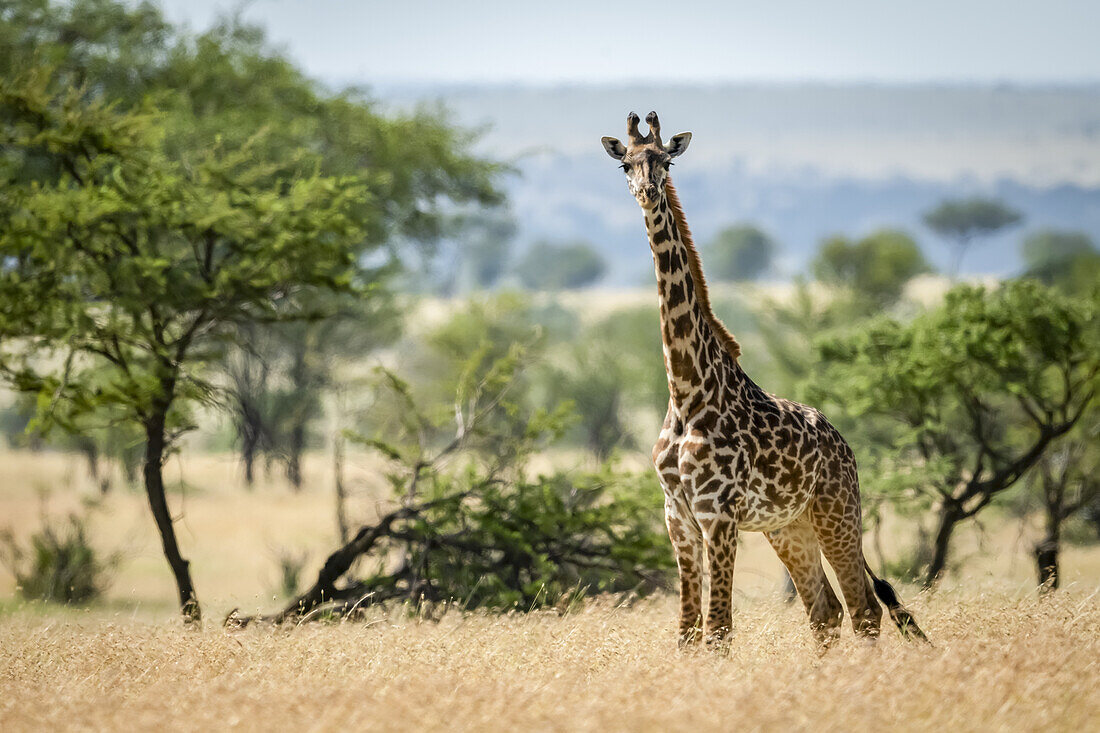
730 457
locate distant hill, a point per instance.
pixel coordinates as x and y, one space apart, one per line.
803 161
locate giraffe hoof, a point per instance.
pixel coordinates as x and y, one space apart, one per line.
719 641
689 640
826 639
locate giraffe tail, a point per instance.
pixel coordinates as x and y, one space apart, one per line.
904 620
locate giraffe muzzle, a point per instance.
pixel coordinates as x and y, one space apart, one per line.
647 196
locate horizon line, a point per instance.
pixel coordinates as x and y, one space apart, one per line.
352 81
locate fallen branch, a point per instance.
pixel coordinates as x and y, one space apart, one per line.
324 590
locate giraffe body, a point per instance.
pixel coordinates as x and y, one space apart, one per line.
731 457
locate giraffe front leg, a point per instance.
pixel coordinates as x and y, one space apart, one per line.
691 598
721 543
687 544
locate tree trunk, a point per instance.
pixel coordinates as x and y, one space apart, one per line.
1046 552
250 440
341 492
248 458
155 446
949 517
1046 560
294 454
305 387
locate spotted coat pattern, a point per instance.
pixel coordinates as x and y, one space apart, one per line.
730 456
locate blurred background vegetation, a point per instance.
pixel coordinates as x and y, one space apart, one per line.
205 251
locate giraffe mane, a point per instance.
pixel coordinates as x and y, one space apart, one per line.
695 266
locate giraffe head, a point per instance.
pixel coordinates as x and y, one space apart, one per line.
646 159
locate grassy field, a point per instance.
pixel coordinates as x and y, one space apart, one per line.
1003 659
999 663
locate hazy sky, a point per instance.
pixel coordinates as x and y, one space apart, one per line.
594 41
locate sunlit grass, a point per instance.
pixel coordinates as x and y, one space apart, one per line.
1003 659
998 664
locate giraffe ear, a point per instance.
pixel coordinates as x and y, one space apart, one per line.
678 144
614 148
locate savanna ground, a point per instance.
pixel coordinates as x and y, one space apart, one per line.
1003 658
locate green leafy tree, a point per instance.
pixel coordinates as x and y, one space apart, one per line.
278 372
416 170
549 266
613 373
788 329
226 85
875 268
964 400
632 352
593 382
109 48
490 325
740 252
125 271
1067 259
961 220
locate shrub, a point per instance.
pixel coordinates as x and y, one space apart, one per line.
549 266
740 252
60 565
474 526
876 267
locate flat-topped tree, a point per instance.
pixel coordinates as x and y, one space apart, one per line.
961 220
123 271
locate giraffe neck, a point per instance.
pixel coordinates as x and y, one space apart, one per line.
699 352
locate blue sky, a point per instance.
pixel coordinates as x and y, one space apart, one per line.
576 41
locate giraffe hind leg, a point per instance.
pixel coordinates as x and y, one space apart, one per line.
797 546
836 519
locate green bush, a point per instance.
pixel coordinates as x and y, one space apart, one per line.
1066 259
545 541
473 525
740 252
875 268
490 533
548 266
60 565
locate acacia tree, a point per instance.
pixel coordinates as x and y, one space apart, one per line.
123 270
961 220
967 398
278 375
226 84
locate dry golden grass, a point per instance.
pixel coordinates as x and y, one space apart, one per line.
1003 660
998 664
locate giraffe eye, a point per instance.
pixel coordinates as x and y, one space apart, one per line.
625 167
